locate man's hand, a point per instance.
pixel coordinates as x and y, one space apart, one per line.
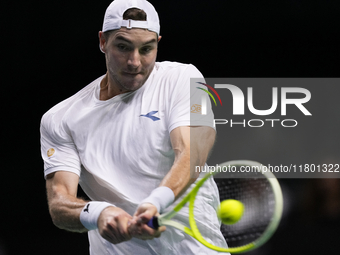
138 226
113 225
145 212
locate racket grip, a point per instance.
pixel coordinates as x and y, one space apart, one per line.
153 223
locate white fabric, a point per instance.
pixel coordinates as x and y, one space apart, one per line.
121 149
90 213
134 23
113 18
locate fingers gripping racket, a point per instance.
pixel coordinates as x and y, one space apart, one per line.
260 194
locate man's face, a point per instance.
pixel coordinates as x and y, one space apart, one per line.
130 56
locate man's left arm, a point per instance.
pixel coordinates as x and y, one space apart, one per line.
191 146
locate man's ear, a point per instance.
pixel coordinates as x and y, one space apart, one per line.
102 41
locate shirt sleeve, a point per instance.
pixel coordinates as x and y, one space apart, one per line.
57 148
187 99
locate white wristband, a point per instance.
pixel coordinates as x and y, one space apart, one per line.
160 197
90 213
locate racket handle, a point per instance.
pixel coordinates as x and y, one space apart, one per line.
153 223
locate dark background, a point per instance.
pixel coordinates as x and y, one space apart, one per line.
50 51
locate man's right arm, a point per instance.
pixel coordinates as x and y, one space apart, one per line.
65 209
64 206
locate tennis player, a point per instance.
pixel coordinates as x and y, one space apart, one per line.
130 142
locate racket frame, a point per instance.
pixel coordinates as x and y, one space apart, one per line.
165 219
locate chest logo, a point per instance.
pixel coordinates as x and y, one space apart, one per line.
149 115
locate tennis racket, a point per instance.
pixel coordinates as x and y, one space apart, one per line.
261 195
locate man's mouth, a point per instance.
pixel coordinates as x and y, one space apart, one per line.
131 74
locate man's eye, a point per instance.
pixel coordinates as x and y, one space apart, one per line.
122 47
146 50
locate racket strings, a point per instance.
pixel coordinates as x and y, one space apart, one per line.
258 198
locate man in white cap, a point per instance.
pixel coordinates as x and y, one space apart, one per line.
125 138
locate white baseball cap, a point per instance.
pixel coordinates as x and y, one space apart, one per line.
113 18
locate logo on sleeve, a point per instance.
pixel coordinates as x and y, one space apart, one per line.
50 152
149 115
196 108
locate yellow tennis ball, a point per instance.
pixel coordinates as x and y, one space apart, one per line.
230 211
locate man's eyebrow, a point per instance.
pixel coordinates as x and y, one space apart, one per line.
128 41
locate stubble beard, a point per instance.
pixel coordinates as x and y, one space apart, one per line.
127 86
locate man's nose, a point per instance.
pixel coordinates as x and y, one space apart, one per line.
134 59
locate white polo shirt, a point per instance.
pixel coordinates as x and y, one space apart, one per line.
121 147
